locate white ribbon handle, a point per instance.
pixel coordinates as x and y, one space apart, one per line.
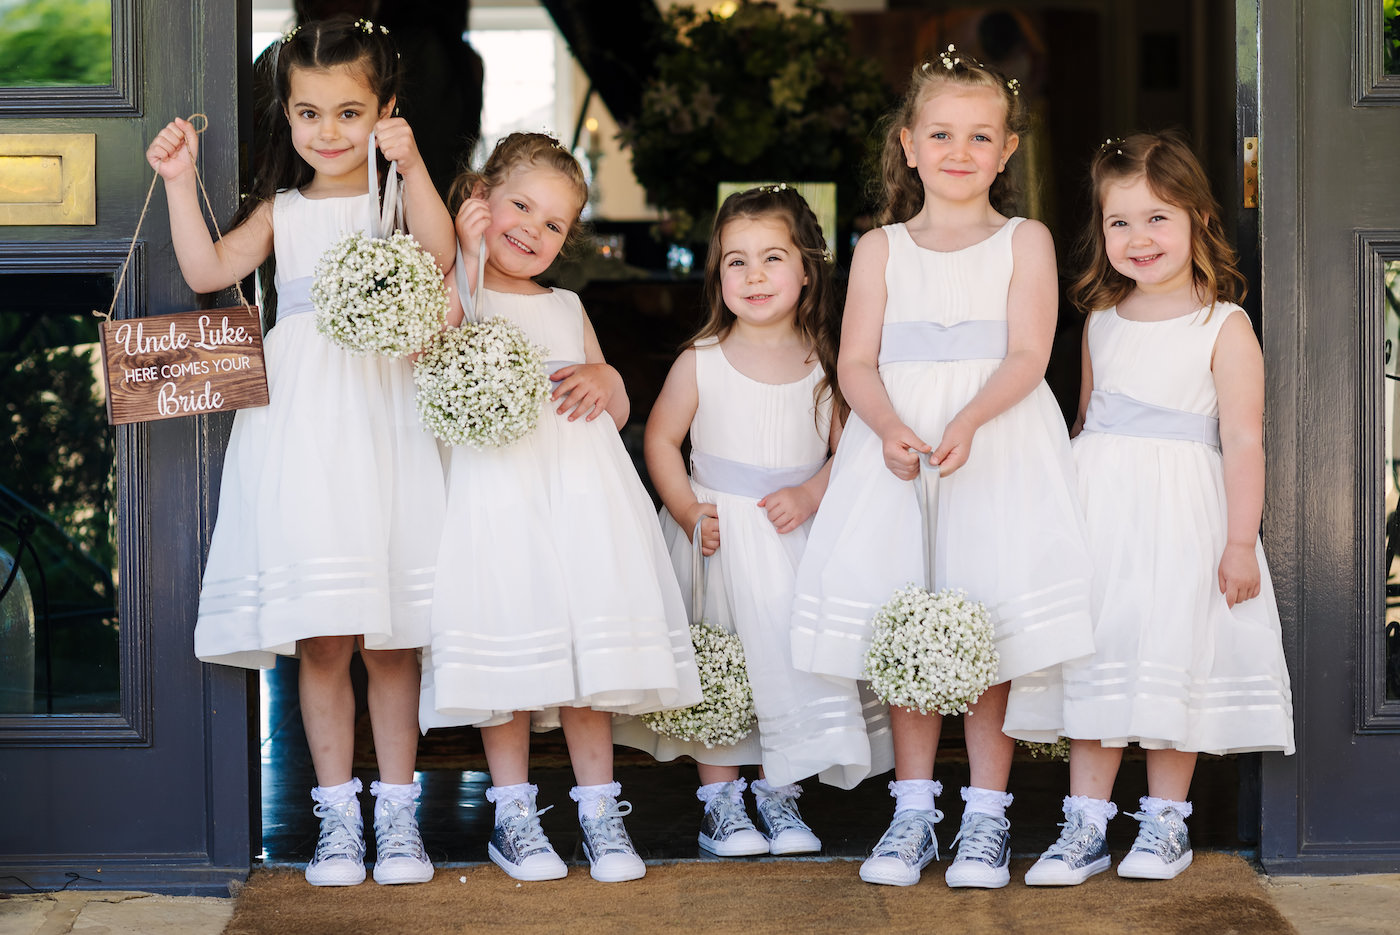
471 299
699 572
926 491
389 217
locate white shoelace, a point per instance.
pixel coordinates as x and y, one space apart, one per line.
779 809
981 837
529 833
338 837
396 832
729 815
907 833
1071 840
1154 833
607 831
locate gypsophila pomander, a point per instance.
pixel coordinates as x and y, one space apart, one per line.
725 713
482 384
931 651
378 295
1059 750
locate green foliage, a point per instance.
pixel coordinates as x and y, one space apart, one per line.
1390 9
60 457
56 43
58 468
759 95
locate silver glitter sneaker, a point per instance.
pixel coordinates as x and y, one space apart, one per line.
340 849
1075 857
905 849
984 853
399 855
1162 849
612 858
781 823
519 846
725 828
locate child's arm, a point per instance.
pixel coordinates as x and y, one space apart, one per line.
858 363
473 217
1031 305
667 427
1238 369
593 387
424 213
207 265
790 507
1086 382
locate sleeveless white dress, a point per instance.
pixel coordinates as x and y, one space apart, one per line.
332 494
554 587
1173 666
748 440
1010 531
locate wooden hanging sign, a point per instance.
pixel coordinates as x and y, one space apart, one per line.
185 364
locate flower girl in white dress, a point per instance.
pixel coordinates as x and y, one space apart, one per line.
949 320
755 394
1188 656
332 494
555 602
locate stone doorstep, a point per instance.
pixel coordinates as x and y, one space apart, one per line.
113 912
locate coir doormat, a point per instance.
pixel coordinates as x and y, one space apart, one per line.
1218 895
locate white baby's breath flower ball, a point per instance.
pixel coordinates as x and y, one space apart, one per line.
378 295
481 385
931 652
725 713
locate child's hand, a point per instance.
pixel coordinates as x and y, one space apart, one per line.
709 527
173 150
953 448
584 388
789 508
901 447
1239 574
394 137
472 220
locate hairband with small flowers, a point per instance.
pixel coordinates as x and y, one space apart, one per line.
950 58
368 28
772 189
1116 144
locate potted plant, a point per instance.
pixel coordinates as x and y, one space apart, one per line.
758 95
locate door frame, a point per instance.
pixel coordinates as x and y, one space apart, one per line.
1319 227
162 795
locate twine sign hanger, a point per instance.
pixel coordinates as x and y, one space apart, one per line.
187 363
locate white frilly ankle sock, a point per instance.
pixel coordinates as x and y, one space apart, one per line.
506 796
587 797
1096 811
1154 806
762 787
339 794
915 794
735 788
985 801
400 793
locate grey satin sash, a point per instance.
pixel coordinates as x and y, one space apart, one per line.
1119 414
926 340
294 297
552 365
746 480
